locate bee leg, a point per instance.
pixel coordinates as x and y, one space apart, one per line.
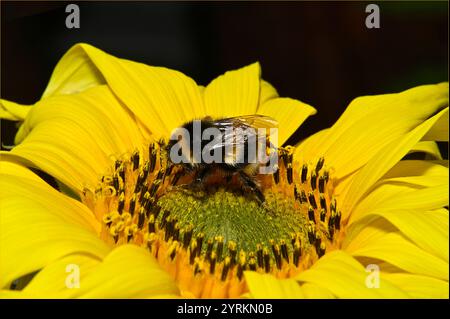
248 182
201 175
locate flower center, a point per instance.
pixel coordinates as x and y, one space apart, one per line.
206 237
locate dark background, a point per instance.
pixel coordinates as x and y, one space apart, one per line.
318 52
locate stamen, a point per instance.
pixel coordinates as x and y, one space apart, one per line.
266 260
277 254
132 204
164 218
252 263
121 204
176 232
303 197
135 160
323 202
333 205
241 265
199 239
187 237
322 184
313 180
259 255
322 215
297 253
212 263
219 240
319 165
311 235
311 214
226 268
121 172
337 221
140 182
151 224
276 175
304 173
312 200
152 157
117 164
297 195
326 174
232 252
284 251
289 171
209 249
321 250
173 250
147 169
192 251
116 182
141 218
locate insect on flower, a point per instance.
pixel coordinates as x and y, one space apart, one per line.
240 147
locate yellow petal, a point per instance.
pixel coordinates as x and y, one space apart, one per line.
13 111
380 164
18 181
18 171
128 271
417 182
73 137
263 286
267 92
74 73
439 131
430 148
289 113
429 230
305 149
372 122
366 231
441 162
311 291
40 225
422 199
161 98
419 286
233 93
398 251
60 277
409 192
416 168
346 278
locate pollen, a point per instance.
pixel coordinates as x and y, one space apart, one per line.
207 239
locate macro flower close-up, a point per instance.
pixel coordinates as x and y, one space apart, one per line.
357 210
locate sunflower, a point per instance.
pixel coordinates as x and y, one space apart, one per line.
348 214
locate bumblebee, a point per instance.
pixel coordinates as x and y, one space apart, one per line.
230 148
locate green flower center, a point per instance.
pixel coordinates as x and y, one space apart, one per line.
224 219
211 235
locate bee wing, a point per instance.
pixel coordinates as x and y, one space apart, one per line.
249 124
253 120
